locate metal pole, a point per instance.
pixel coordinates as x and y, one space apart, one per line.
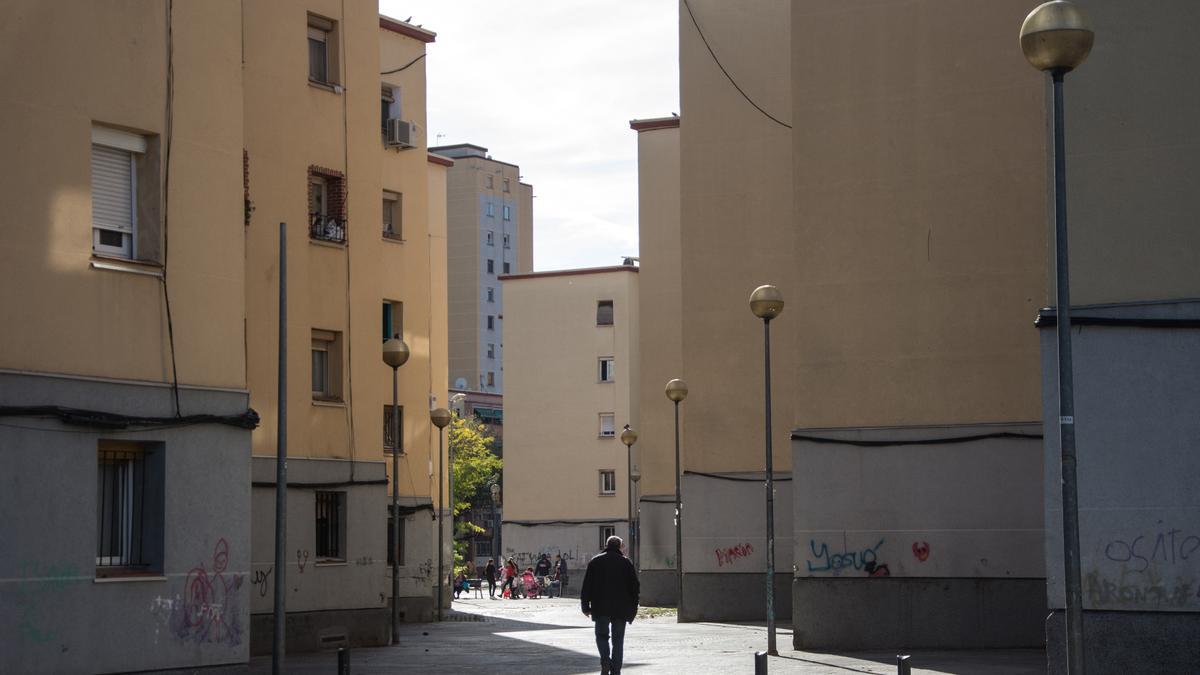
279 646
441 526
629 481
770 485
678 521
450 478
395 508
1066 393
496 531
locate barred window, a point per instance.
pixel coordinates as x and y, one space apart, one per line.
331 525
389 430
129 505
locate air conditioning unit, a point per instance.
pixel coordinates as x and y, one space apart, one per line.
400 133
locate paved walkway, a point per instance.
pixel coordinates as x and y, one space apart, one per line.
515 637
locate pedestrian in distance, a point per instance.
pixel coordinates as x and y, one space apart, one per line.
610 597
560 571
543 567
510 579
489 573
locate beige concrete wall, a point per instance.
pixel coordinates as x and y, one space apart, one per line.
659 319
79 63
736 231
464 269
552 450
525 229
920 202
1131 156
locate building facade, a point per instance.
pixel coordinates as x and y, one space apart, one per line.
490 224
337 152
566 472
126 427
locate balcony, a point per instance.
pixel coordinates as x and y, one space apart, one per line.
327 228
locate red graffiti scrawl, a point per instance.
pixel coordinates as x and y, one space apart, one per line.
921 550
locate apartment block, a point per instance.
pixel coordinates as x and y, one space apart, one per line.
490 224
336 151
126 429
566 472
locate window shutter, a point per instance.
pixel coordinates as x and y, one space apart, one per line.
112 189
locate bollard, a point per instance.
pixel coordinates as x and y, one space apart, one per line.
760 663
902 665
343 661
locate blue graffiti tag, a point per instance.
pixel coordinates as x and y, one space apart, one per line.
834 562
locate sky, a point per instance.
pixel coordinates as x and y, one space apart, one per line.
550 85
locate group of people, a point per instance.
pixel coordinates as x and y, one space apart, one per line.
515 584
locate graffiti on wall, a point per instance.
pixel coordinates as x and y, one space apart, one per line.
837 562
262 580
920 550
41 582
208 610
727 556
301 559
1154 569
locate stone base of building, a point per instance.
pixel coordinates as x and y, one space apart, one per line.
658 588
843 613
1128 642
330 629
733 597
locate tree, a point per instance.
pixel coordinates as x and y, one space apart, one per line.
474 465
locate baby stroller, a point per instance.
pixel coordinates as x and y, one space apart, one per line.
532 589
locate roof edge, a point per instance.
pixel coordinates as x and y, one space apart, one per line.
406 29
652 123
569 273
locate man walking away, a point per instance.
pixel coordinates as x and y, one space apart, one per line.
489 573
610 596
560 571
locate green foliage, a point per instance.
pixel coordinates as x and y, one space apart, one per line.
474 463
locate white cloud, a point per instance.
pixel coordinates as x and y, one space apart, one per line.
551 87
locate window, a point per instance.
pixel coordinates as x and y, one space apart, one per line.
326 365
389 104
507 212
393 215
115 159
507 268
606 531
491 238
506 241
604 313
608 482
506 185
607 425
491 322
483 548
491 352
395 549
322 50
331 525
606 369
389 430
326 204
491 266
491 381
491 210
393 319
489 415
491 294
129 508
487 183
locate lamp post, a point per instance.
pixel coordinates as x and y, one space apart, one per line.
629 437
766 302
1057 37
636 476
395 354
440 418
495 490
677 391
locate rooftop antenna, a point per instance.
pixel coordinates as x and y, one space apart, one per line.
439 138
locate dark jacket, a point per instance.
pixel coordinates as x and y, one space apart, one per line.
489 572
610 587
543 568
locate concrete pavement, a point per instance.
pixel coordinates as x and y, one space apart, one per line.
514 637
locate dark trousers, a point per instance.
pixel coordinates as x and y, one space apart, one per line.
613 662
491 588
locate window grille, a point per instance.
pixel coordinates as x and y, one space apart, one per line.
121 508
330 519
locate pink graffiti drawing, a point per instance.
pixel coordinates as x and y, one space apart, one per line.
208 611
921 550
727 556
301 562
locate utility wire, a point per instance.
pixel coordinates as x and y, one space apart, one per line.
403 67
726 72
170 127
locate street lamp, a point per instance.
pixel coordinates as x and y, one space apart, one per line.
495 490
395 354
635 545
1056 37
766 302
440 418
677 391
629 437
